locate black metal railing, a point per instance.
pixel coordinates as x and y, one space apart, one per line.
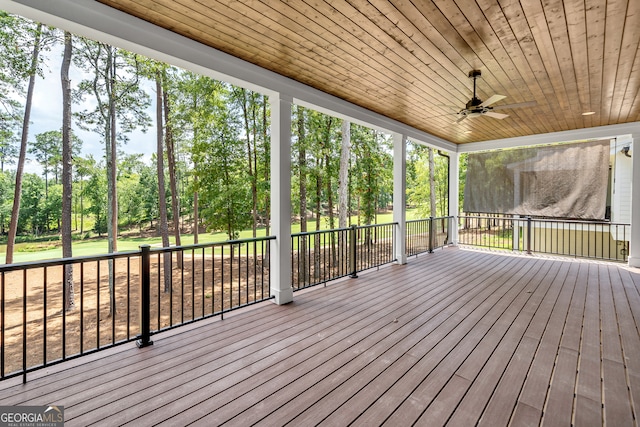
425 235
133 295
321 256
583 239
121 297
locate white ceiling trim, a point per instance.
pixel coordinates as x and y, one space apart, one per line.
601 132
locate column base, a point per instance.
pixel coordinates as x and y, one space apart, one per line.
634 261
282 296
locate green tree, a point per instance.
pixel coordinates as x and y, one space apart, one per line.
6 199
83 167
131 192
47 150
427 187
23 70
95 192
370 171
252 108
8 140
14 66
120 108
222 180
33 212
148 189
193 97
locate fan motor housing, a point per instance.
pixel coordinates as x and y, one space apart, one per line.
473 103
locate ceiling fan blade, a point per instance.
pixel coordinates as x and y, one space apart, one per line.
518 105
460 119
492 100
495 115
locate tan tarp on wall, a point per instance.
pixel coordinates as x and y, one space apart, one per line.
563 181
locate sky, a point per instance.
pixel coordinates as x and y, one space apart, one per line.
46 115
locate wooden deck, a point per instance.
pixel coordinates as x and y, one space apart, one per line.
458 337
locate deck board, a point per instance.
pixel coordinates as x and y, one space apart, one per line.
458 337
428 374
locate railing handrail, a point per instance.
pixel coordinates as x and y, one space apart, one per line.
123 254
312 232
427 219
334 230
174 248
524 217
64 261
360 227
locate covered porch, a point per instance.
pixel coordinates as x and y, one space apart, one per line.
456 337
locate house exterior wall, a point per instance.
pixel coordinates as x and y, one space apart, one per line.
621 188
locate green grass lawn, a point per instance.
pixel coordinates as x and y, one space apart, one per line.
51 249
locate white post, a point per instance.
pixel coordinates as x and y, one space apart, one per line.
634 241
454 187
280 273
400 195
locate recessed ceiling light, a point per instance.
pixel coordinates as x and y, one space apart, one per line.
467 131
588 113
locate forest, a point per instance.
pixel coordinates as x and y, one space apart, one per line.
210 171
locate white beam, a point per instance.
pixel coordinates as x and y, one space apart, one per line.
280 269
400 195
600 132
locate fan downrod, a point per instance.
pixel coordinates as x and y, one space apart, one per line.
475 101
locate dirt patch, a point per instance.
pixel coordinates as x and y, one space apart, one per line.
36 330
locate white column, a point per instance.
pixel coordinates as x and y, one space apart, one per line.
454 187
400 195
634 241
280 273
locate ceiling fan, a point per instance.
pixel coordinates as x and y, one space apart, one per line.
476 107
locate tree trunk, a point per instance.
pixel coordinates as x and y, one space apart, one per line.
318 198
196 218
343 176
266 167
112 173
250 160
432 183
196 215
15 211
162 200
171 159
316 246
81 206
67 194
343 187
302 165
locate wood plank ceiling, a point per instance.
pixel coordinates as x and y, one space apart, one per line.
410 60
